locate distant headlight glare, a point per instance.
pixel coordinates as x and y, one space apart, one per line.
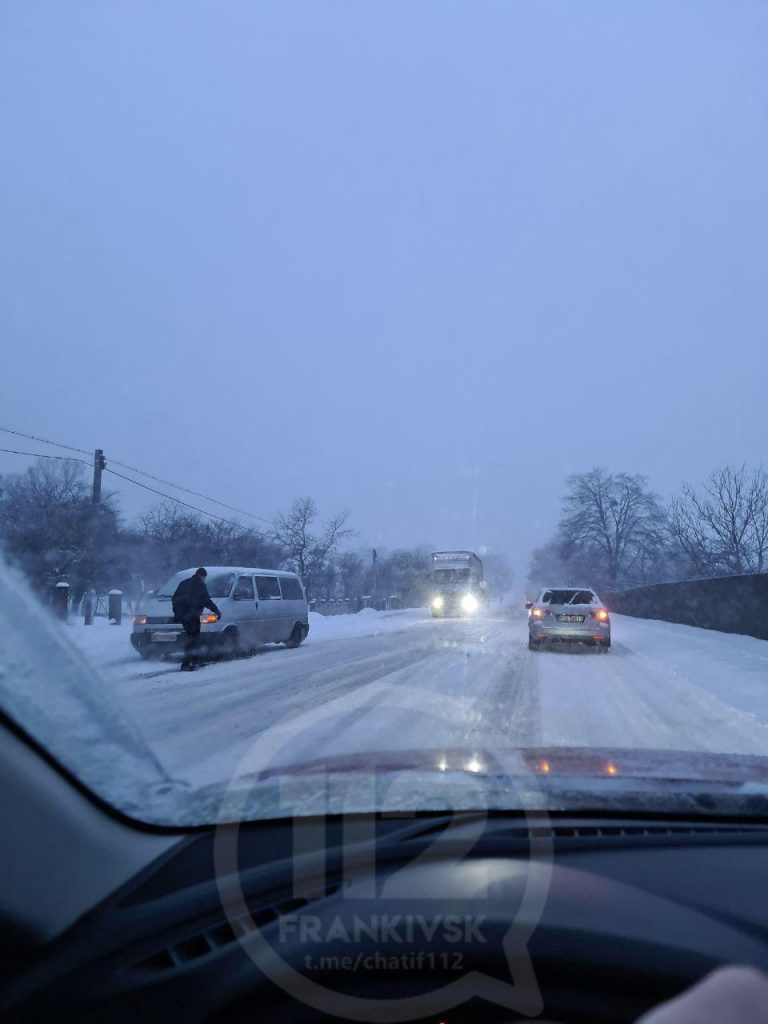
438 602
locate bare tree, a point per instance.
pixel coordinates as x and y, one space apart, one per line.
168 524
405 574
559 561
176 538
612 521
498 573
49 525
306 551
352 574
723 526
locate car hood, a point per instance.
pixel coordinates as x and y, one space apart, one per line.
155 606
535 779
545 762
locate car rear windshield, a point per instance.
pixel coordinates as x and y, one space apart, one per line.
568 597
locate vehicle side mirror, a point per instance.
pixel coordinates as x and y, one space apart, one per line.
529 604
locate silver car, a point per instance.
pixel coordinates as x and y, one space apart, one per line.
568 615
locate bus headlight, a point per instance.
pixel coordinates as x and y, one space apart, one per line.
438 602
469 603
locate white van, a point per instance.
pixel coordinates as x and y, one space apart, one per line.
258 606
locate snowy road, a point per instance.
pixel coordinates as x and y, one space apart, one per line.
403 680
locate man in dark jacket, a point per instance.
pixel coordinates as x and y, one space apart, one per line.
188 602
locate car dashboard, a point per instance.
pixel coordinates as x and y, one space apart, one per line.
581 919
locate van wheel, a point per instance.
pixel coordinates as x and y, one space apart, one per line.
229 645
296 636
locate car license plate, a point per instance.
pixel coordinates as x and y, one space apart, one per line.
164 637
570 618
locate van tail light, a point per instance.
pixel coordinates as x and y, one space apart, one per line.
208 618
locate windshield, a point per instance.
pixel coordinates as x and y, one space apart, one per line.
442 576
307 294
219 585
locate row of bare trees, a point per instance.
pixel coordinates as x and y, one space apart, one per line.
51 529
722 527
298 540
614 530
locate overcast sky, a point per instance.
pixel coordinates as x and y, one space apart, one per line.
418 259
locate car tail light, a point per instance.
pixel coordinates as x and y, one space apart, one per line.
139 620
540 613
208 618
601 615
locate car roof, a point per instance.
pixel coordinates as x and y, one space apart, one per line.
243 570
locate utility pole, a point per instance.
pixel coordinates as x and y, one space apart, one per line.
99 465
375 581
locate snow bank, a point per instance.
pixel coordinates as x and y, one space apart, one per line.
367 622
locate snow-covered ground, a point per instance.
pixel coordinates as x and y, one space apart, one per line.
397 680
108 646
365 623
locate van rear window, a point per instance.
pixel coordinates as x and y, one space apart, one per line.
291 588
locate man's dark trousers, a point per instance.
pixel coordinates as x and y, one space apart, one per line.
192 629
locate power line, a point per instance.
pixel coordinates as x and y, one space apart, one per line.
187 490
137 483
40 455
141 472
178 501
43 440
